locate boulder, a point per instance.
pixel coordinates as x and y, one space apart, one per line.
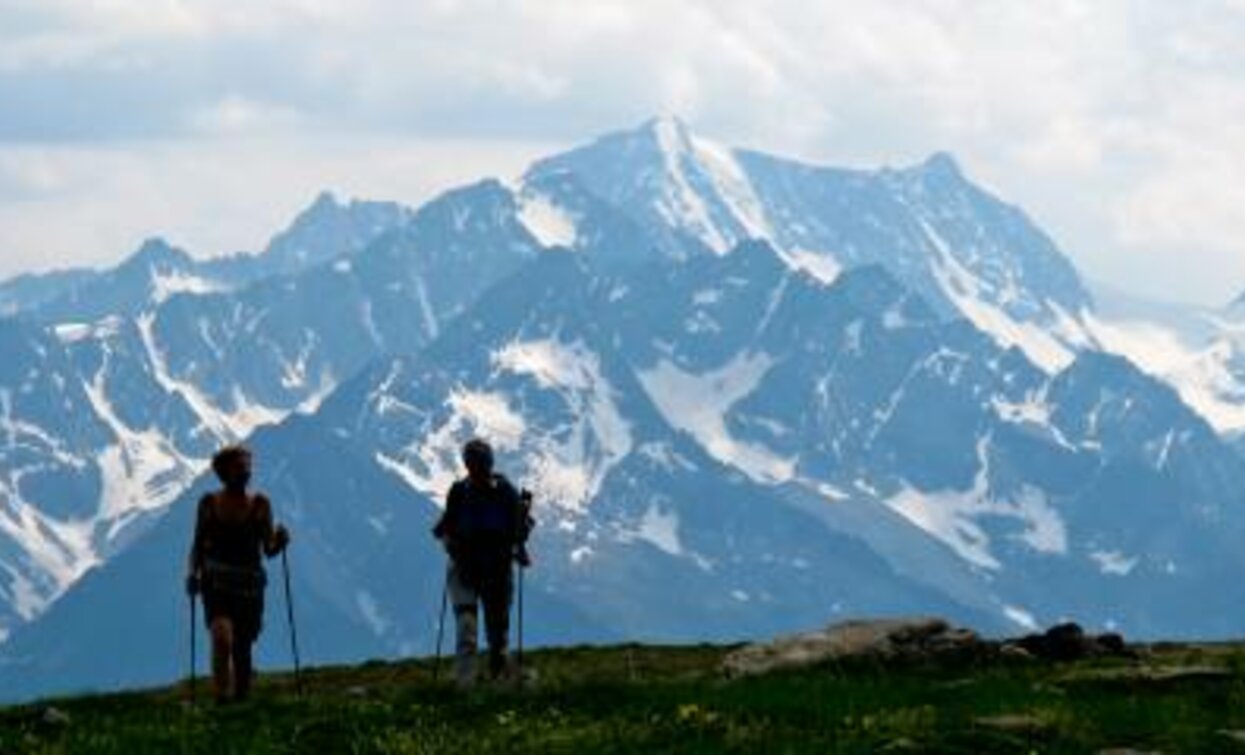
910 638
1069 642
54 717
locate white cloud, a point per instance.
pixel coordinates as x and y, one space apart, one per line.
87 205
1116 122
233 114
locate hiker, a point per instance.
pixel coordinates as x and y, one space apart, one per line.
484 530
232 528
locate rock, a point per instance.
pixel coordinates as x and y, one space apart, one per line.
1015 652
357 692
54 717
1069 642
1235 735
1113 643
914 638
1014 722
903 744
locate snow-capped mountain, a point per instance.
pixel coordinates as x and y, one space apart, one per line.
29 291
964 251
165 372
1200 351
643 534
325 230
749 393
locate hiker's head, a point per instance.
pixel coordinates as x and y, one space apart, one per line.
478 458
232 466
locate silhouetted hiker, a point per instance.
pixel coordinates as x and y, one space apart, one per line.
232 529
484 530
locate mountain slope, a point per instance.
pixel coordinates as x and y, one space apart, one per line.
627 505
961 249
168 379
748 392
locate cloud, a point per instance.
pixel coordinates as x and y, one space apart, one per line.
1112 121
68 205
233 114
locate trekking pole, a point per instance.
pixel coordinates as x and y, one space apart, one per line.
519 635
445 603
525 527
289 613
194 619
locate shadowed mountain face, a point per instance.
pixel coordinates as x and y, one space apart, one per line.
643 535
163 377
749 394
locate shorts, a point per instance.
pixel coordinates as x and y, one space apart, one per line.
245 612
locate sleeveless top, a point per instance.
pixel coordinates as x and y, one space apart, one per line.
231 551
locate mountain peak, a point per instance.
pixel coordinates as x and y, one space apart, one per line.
941 164
668 130
1237 304
156 252
325 203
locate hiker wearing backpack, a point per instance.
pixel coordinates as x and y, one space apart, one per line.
484 529
233 528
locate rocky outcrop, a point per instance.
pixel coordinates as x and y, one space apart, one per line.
916 639
1069 642
911 638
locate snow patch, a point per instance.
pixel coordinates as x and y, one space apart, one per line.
965 291
666 457
820 265
707 297
699 404
550 224
1209 378
679 204
372 615
952 516
431 327
568 466
661 530
734 189
430 466
227 426
1114 563
166 285
72 332
142 471
1021 617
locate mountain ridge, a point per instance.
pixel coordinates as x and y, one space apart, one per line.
900 376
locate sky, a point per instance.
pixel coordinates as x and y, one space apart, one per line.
1119 125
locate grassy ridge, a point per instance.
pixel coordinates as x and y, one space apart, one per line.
647 699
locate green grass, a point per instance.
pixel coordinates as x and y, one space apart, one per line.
656 700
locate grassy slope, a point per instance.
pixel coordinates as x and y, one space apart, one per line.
643 699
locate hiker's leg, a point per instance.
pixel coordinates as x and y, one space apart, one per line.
242 667
497 598
222 657
466 627
246 628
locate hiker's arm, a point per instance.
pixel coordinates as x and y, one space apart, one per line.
442 529
274 539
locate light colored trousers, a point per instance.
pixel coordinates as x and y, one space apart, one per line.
494 594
